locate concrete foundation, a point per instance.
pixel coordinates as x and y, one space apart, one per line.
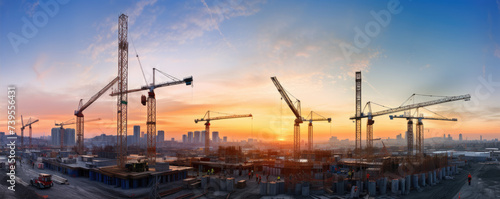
407 184
204 182
414 181
402 185
222 184
355 192
271 189
360 185
298 189
395 186
340 187
429 178
230 184
372 188
263 188
383 186
280 185
305 189
422 180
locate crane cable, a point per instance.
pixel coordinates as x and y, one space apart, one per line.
140 65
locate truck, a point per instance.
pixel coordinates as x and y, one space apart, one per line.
43 181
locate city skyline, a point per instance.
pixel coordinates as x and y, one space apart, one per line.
300 43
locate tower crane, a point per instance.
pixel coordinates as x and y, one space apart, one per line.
22 130
206 118
122 98
69 122
79 115
310 118
369 132
419 130
151 109
298 118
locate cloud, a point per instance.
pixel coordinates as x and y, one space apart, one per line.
497 52
38 67
30 7
425 67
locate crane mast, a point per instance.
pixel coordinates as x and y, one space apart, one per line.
150 104
122 99
23 126
69 122
310 118
206 118
419 144
80 118
359 114
296 112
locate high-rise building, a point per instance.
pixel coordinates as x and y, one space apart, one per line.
449 137
69 137
444 136
161 136
225 139
55 135
190 137
172 140
137 134
399 137
215 136
196 137
184 138
460 137
202 140
481 138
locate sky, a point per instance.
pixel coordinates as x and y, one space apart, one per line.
58 52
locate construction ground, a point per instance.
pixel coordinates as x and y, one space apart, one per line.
485 184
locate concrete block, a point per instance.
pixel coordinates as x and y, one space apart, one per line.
230 184
395 186
422 179
414 181
263 188
372 188
383 186
433 175
222 184
402 185
429 178
305 189
272 188
280 185
340 187
298 189
407 184
360 185
355 192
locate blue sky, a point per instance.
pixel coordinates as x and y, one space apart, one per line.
233 47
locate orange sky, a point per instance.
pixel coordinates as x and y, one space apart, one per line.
232 50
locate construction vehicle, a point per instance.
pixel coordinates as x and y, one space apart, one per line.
207 120
43 181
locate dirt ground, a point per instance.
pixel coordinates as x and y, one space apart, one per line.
485 184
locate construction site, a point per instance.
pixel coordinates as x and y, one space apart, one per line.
367 168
